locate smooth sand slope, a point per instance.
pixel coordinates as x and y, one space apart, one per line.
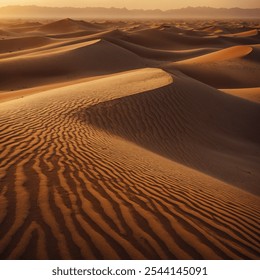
252 94
115 142
233 67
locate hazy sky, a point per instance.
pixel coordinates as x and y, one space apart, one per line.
131 4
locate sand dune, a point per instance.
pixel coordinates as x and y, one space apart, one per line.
234 67
116 142
18 44
249 33
67 62
66 26
4 33
158 54
174 142
252 94
170 40
225 54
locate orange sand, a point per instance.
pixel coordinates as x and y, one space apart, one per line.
116 142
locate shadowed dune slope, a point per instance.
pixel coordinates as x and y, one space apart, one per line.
157 38
19 44
73 189
158 54
5 33
190 123
89 58
170 40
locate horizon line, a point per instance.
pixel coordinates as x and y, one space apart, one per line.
124 8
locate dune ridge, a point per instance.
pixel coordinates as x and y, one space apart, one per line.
252 94
129 140
66 62
225 54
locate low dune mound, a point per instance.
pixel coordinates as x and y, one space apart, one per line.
157 54
82 60
163 121
225 54
66 26
26 24
172 28
24 27
112 34
234 67
5 33
248 33
167 39
86 35
236 41
252 94
81 28
19 44
213 29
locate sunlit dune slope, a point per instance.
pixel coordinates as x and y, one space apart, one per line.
232 67
252 94
249 33
225 54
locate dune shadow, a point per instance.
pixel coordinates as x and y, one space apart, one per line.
195 125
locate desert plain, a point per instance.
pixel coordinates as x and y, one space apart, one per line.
129 139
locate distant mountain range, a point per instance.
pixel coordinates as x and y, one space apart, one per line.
89 12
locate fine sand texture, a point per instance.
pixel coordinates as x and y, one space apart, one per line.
129 139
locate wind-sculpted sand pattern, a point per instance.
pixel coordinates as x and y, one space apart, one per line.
137 164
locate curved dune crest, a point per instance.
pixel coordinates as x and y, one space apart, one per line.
249 33
74 61
66 25
252 94
170 40
158 54
221 55
234 67
18 44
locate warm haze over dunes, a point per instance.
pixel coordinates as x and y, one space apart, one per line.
31 11
129 139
